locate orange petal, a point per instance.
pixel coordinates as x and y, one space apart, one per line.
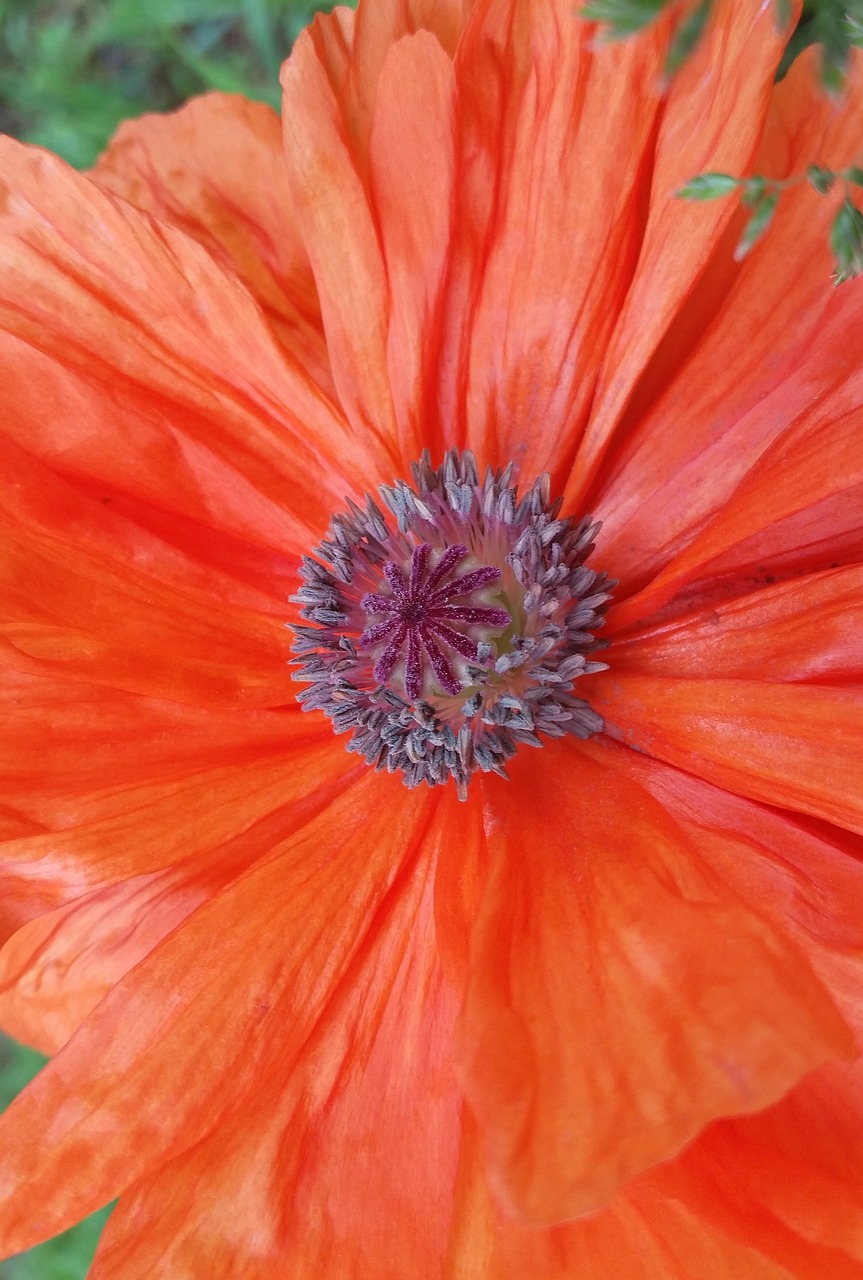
216 169
599 1033
785 1161
368 131
637 1237
128 878
781 344
788 1163
141 538
73 740
338 229
462 869
85 764
345 1165
547 225
802 876
808 628
798 510
722 1198
767 741
380 26
712 121
411 181
167 465
143 327
251 974
56 968
787 1158
78 600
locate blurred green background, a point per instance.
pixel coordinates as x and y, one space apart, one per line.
70 71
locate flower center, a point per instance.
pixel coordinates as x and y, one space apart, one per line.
419 615
450 630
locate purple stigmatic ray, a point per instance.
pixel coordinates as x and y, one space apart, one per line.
419 613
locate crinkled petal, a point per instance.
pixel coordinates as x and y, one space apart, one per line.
170 470
638 1237
88 596
332 204
249 976
547 225
216 169
712 121
125 879
109 315
779 344
346 1168
771 742
724 1198
178 782
599 1032
800 509
411 179
369 137
808 881
140 538
77 745
802 629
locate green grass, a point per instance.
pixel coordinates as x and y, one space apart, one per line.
71 70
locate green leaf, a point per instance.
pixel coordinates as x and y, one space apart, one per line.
835 25
822 179
854 174
854 28
846 242
623 17
687 36
707 186
753 191
757 224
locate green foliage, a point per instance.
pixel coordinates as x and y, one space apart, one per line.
623 17
687 35
837 28
66 1257
707 186
18 1066
762 215
71 70
846 241
761 195
822 179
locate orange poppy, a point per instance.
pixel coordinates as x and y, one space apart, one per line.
601 1017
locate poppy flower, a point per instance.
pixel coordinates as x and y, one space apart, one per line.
280 401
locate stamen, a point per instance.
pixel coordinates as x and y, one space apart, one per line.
445 637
